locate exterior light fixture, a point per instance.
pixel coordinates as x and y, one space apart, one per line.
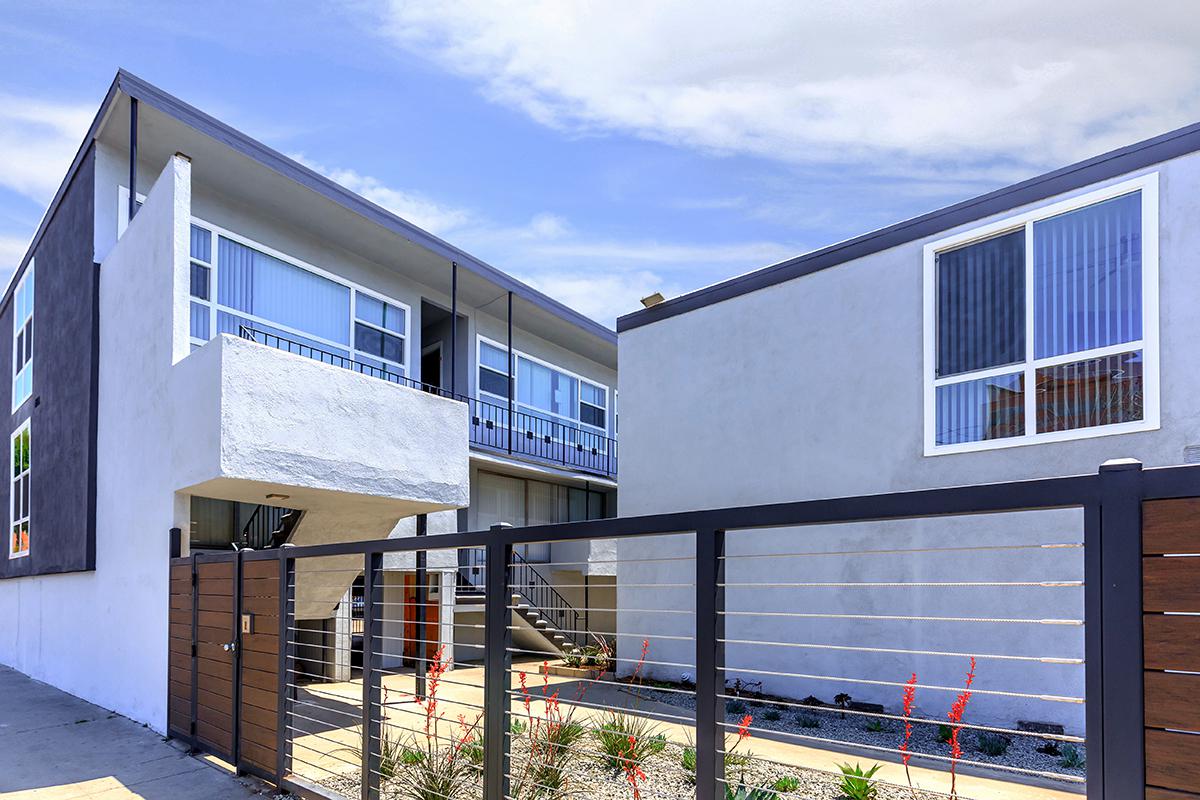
653 299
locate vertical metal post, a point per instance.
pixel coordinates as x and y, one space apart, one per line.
453 328
710 664
133 144
287 653
1116 739
175 538
511 421
372 715
237 661
422 596
195 639
497 662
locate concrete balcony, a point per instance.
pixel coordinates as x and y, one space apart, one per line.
266 422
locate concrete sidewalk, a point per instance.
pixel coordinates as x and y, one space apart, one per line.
54 745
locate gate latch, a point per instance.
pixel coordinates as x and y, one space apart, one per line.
229 647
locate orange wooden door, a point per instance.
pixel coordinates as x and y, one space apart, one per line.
413 635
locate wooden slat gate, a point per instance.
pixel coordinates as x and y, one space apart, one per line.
1170 595
224 658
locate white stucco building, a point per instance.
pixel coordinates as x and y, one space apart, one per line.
256 356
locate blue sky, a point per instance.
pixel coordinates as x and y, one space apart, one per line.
602 151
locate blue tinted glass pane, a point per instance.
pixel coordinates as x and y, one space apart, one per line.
259 284
199 324
493 383
1088 277
592 394
981 305
293 342
547 389
1086 394
979 410
199 281
201 244
591 415
493 357
369 309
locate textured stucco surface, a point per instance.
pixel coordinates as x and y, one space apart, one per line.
813 388
291 422
114 620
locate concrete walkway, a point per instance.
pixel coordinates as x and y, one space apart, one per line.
54 745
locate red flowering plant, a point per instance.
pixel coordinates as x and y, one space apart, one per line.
910 697
548 740
441 765
955 716
627 740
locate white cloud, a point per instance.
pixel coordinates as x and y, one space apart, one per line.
12 250
412 206
38 139
601 278
901 86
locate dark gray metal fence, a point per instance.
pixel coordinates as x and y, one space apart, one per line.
1110 501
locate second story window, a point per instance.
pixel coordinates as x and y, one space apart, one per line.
1044 327
542 390
22 355
18 543
380 330
201 285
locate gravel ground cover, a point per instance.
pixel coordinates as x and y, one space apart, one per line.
827 723
665 780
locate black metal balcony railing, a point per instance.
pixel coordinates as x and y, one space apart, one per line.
529 435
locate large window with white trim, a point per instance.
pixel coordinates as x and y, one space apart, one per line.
1043 327
541 389
18 541
22 350
236 282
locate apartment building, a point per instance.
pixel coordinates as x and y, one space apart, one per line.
1038 330
208 336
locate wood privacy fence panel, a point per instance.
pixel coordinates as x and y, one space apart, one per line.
179 655
1170 587
259 719
223 658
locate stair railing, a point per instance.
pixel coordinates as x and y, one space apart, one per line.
264 524
546 600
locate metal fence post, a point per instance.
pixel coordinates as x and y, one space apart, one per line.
1113 579
372 716
497 661
287 653
710 664
422 597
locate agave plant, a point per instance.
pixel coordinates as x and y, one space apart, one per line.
750 793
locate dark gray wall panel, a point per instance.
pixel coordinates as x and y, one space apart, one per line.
62 408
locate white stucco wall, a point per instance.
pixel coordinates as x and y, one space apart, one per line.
813 388
101 635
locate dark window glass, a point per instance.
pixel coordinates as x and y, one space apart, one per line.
981 305
493 383
200 276
1084 394
590 415
377 343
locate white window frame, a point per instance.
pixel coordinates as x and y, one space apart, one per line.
1149 343
214 307
17 402
480 339
12 500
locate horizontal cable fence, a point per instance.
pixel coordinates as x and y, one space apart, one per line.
928 644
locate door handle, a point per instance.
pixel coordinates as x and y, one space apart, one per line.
229 647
